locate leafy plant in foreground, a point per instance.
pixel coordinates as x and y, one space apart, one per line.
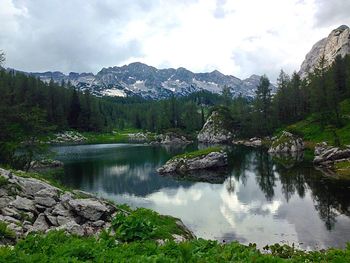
131 228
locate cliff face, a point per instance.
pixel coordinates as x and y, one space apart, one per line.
337 43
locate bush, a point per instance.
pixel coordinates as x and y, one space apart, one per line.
5 232
130 227
3 181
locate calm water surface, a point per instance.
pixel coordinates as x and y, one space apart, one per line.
256 200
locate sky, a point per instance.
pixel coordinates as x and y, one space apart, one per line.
236 37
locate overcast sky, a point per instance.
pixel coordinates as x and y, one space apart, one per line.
237 37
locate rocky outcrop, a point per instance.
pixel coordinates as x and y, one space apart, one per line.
337 43
45 164
214 130
30 205
287 143
332 161
252 142
139 137
326 155
209 161
171 138
68 137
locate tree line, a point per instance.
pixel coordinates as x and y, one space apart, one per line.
30 107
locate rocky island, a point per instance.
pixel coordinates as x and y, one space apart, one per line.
206 159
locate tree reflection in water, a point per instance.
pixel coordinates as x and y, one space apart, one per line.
331 197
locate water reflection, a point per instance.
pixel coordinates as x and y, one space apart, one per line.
258 199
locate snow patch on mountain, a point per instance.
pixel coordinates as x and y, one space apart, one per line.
152 83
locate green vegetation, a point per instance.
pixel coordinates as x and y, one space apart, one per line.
3 181
198 153
343 169
118 136
5 232
145 224
313 130
59 247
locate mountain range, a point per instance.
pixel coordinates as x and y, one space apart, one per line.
149 82
138 79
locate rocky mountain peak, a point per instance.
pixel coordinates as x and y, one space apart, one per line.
149 82
337 43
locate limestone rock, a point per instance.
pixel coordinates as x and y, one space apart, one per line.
31 186
40 224
215 130
72 227
45 164
62 220
46 197
287 143
4 201
208 161
22 203
88 208
171 138
68 137
60 210
252 142
327 155
337 43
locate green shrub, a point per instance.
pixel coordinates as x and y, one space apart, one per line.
3 181
131 227
5 232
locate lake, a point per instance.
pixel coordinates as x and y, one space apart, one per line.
258 199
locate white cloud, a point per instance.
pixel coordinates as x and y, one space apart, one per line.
238 37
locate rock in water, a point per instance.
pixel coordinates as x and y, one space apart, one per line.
182 164
327 155
216 129
337 43
287 143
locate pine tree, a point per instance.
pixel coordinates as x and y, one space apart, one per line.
227 95
74 111
262 107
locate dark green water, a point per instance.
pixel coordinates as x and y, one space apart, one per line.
257 200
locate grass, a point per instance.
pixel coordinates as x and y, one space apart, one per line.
3 181
312 131
198 153
343 169
59 247
111 137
